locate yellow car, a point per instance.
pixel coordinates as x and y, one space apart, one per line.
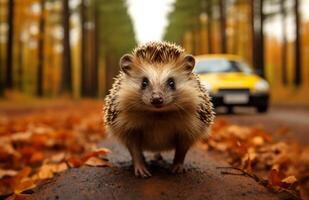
231 82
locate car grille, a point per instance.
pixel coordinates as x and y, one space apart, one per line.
238 90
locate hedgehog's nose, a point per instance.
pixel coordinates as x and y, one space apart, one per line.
156 99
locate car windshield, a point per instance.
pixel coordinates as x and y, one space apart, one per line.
217 65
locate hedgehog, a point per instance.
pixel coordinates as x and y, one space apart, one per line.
158 104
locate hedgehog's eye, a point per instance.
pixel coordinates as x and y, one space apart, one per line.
171 83
145 82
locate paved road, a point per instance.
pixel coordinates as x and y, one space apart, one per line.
201 181
293 119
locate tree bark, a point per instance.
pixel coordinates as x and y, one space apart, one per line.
40 72
20 70
83 52
96 44
209 25
236 34
9 48
284 42
223 26
67 65
2 72
258 35
298 64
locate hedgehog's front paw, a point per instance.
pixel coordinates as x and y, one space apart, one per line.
140 170
178 168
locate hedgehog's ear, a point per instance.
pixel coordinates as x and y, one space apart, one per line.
126 63
189 62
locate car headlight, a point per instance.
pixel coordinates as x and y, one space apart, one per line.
207 85
262 86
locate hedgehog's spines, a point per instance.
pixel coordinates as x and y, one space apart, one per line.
111 110
158 52
205 111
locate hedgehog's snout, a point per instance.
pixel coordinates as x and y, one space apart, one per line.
157 99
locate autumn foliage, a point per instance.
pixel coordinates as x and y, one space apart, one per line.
281 166
38 142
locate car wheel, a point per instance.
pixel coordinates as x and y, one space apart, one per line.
230 110
262 108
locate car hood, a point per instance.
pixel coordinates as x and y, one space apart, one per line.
230 80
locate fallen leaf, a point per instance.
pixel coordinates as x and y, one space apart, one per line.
22 174
46 171
77 162
6 186
37 157
57 157
20 197
24 185
60 167
289 180
258 141
7 172
97 162
97 152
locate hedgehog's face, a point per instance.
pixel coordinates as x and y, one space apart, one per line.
157 86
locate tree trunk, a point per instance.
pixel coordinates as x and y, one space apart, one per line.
258 35
9 49
40 72
83 52
284 42
2 71
96 44
209 25
67 66
298 67
236 34
223 26
252 33
20 58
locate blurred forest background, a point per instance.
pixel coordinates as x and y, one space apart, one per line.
50 48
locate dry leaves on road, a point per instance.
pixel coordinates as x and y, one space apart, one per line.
282 166
36 145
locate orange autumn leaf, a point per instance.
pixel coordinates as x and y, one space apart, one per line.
44 141
57 157
48 170
77 162
20 197
24 173
275 177
247 166
6 186
37 157
288 181
97 162
97 152
7 172
27 152
40 140
22 181
24 185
